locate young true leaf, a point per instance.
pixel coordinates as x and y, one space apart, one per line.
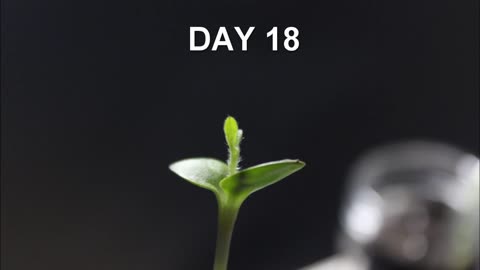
233 135
230 128
231 186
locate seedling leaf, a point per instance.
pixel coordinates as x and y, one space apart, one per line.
257 177
231 132
233 136
204 172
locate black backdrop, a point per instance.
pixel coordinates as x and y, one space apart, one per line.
98 97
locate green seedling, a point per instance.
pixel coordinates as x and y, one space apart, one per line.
231 185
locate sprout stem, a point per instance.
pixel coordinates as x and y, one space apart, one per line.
227 215
233 160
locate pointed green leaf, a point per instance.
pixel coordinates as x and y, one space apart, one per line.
204 172
233 136
230 128
255 178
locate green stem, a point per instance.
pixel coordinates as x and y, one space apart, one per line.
233 160
227 215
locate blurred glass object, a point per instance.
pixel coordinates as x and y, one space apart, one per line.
411 205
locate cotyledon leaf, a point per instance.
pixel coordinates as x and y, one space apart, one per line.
204 172
257 177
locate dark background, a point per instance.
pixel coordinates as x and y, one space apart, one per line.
98 97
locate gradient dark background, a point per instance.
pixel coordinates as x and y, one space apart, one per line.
98 97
